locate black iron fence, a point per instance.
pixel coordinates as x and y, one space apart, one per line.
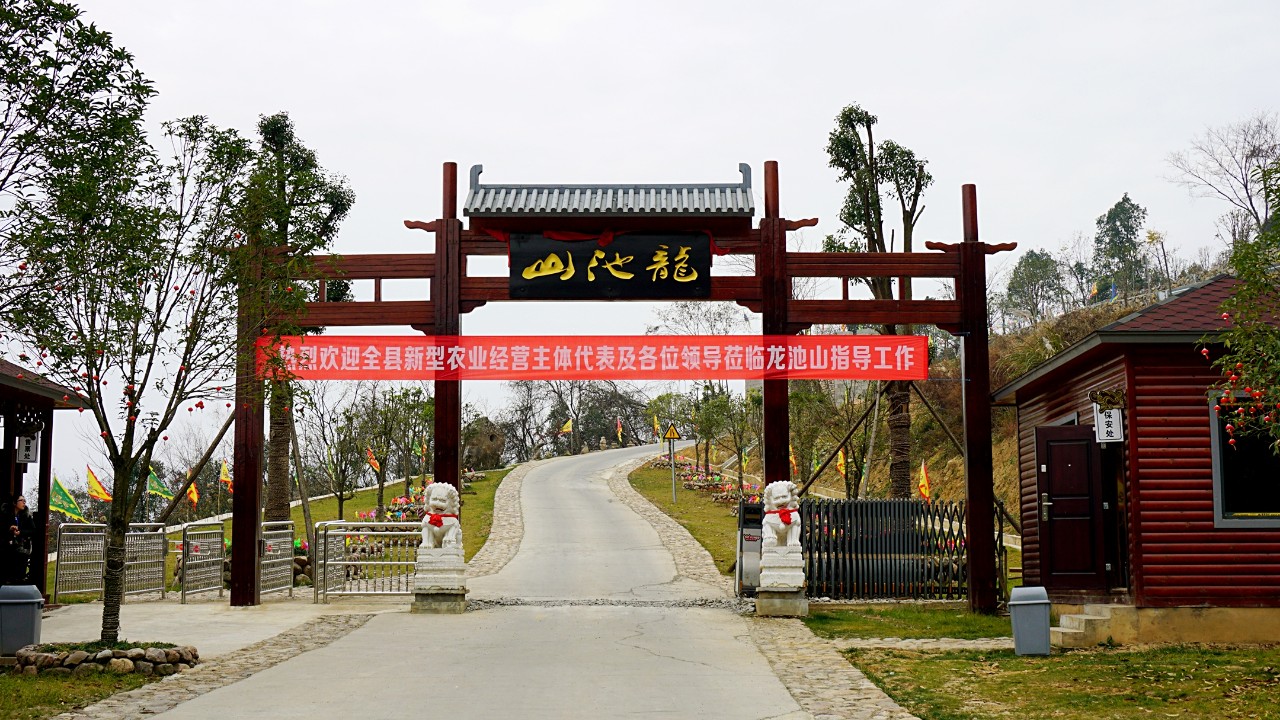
864 549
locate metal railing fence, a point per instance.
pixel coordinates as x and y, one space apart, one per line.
365 558
865 549
146 548
81 559
203 552
277 557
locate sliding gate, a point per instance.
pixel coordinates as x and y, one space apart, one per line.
865 549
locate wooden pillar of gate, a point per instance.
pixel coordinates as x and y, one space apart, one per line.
246 501
771 266
446 298
975 369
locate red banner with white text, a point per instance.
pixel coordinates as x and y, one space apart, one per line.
598 357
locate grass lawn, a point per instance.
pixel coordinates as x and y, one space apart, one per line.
1179 681
46 695
477 516
908 621
711 524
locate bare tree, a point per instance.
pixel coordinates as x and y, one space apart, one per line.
1226 163
330 438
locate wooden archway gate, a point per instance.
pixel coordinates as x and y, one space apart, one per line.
768 291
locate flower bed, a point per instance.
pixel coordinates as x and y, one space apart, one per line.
62 659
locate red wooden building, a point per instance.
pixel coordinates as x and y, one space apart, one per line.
27 402
1124 533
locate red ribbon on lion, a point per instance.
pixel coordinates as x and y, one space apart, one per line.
437 519
784 514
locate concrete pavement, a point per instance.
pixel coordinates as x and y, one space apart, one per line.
595 616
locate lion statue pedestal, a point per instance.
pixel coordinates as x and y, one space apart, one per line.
782 582
440 578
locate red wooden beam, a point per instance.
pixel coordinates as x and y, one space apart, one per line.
446 299
388 266
841 264
246 503
875 312
775 287
348 314
976 371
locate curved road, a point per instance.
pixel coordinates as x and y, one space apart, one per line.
581 541
565 657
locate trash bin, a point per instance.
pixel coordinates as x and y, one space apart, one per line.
20 607
1029 612
750 526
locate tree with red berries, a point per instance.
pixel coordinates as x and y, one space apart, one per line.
143 325
1249 397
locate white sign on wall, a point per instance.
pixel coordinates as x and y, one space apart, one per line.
29 449
1108 425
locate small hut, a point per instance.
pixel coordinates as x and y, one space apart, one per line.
1139 519
27 402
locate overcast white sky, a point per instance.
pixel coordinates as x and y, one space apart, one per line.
1054 110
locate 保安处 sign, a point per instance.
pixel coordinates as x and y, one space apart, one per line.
597 357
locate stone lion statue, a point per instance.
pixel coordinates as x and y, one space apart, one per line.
440 526
781 515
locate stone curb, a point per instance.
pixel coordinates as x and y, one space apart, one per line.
224 670
820 679
507 529
692 560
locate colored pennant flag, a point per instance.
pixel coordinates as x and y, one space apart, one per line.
155 487
619 420
842 466
97 490
424 448
657 429
1094 292
224 477
567 427
373 461
794 470
193 493
1114 291
61 501
925 492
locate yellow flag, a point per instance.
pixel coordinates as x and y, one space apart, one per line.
567 427
794 469
657 429
840 465
224 476
193 494
97 490
924 482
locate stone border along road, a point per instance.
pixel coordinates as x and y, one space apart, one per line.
819 678
507 527
166 694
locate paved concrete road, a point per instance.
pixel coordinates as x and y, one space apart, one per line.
580 541
571 659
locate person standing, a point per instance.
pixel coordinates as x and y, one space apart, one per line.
16 540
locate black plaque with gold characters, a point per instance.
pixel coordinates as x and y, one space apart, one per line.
632 266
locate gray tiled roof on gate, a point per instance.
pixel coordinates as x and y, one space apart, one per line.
657 200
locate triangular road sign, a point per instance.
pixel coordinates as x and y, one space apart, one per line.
672 433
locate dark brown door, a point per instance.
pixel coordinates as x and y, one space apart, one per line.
1069 468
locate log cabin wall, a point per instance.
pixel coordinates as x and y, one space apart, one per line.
1178 557
1068 394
